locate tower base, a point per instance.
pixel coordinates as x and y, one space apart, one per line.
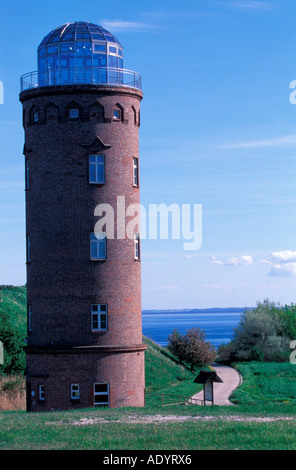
85 377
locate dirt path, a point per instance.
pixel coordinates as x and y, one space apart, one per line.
231 380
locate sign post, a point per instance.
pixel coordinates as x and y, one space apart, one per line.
207 378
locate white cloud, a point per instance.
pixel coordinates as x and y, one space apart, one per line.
278 141
283 270
125 26
252 5
245 260
283 263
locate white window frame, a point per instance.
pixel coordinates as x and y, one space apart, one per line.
97 394
97 161
97 240
135 171
41 393
75 392
99 310
136 246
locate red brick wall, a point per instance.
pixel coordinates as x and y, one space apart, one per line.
62 281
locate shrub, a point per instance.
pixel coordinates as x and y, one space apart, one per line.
191 347
260 336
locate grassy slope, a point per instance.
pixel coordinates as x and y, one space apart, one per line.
13 307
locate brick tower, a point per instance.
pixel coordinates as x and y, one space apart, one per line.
81 116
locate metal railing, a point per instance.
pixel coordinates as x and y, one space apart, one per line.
81 76
167 399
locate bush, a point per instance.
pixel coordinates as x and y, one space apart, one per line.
191 347
262 335
14 355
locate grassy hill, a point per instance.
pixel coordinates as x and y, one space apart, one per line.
13 308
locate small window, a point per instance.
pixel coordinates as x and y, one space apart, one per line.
28 249
27 182
101 394
98 246
136 171
116 115
35 116
112 49
99 317
74 391
29 314
97 169
74 113
137 245
41 393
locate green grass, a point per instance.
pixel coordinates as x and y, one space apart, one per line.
268 391
266 382
13 307
165 375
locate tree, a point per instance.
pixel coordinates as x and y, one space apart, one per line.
191 347
14 355
260 336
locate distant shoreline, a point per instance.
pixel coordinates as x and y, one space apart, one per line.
199 310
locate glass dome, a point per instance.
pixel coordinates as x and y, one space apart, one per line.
79 45
80 53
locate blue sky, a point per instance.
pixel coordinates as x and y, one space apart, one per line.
217 129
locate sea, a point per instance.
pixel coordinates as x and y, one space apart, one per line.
217 324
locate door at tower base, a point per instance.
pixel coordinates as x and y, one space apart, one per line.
63 380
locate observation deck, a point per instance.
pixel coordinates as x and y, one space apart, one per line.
81 76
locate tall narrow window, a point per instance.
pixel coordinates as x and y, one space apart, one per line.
35 116
137 245
41 392
27 182
74 391
99 317
101 394
136 171
28 249
97 169
29 313
98 246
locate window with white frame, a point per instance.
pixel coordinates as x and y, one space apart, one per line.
137 246
97 169
136 171
74 391
41 393
101 394
99 317
98 246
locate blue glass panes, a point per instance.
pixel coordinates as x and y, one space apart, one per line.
99 48
80 52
